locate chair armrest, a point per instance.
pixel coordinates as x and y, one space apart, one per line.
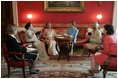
20 43
87 37
111 55
25 45
106 63
30 42
15 53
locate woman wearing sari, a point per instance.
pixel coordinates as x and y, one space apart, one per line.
39 45
48 37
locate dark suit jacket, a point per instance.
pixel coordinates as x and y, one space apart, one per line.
14 46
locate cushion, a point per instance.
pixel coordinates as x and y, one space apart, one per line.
22 36
113 49
14 63
100 59
82 33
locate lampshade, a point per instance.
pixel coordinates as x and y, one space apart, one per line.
99 16
29 16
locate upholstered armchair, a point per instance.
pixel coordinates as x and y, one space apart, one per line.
82 37
12 63
111 63
23 39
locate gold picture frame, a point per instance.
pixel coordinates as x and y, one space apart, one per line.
64 6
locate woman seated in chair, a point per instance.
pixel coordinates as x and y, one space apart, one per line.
72 30
48 37
40 46
101 56
13 45
95 39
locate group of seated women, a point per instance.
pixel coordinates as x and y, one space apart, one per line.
47 38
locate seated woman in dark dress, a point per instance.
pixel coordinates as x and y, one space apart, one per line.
14 46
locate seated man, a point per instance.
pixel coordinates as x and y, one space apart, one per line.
13 46
74 32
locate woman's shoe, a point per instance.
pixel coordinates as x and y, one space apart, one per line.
35 72
91 71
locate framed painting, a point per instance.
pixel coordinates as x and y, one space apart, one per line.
64 6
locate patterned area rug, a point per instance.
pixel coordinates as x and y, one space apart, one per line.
77 68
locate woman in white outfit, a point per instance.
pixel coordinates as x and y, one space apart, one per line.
48 37
95 38
40 46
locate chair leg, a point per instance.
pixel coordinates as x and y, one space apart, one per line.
67 56
86 52
92 74
46 48
24 72
104 73
8 71
89 53
59 56
30 68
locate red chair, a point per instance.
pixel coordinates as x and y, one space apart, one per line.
23 38
111 63
82 37
12 63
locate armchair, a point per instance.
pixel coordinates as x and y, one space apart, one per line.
23 38
82 37
111 63
12 63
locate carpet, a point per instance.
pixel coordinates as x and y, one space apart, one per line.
77 68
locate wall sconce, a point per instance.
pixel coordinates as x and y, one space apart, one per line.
99 17
29 16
